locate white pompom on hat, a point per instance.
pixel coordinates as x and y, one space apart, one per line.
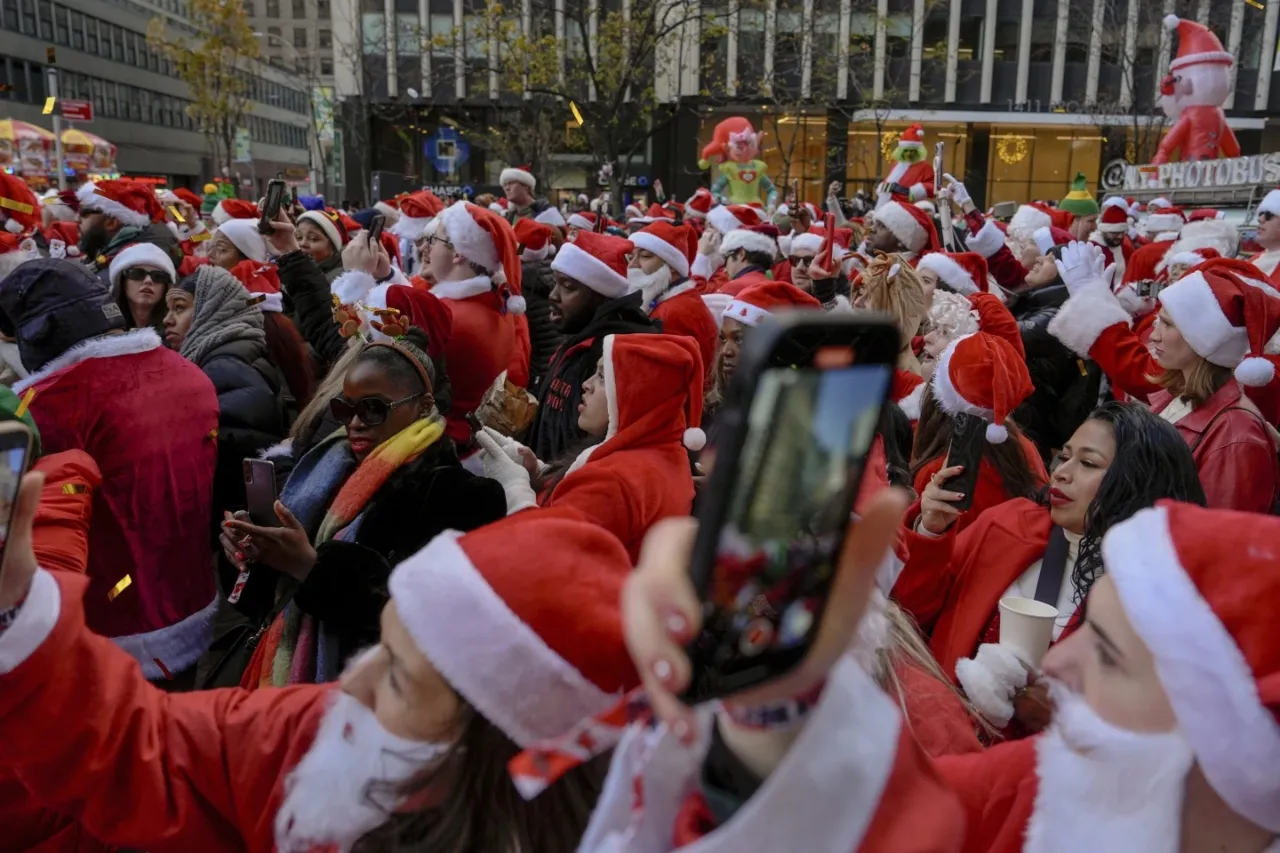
982 375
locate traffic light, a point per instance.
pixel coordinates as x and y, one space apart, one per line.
51 55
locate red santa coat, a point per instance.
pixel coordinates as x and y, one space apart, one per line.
952 584
734 286
998 790
990 489
682 312
149 418
986 238
1200 133
193 772
916 178
1142 265
481 346
854 780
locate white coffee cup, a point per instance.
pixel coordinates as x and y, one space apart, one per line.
1026 628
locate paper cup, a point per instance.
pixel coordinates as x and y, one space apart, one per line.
1026 628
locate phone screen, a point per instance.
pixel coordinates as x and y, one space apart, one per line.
271 207
807 434
968 440
375 228
15 452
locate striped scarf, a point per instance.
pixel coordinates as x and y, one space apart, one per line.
298 648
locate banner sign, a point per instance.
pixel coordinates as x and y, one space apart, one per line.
1260 169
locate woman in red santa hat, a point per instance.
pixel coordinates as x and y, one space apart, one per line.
640 410
976 375
1166 726
140 276
1210 342
410 748
1121 459
659 269
323 234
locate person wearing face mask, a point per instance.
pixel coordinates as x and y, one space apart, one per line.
1120 460
355 505
140 276
409 749
976 374
1210 343
1166 726
640 411
659 269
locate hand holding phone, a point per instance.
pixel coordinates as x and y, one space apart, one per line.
260 491
271 207
938 504
375 229
968 443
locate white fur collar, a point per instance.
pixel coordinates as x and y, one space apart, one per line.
464 289
103 346
675 291
910 404
846 754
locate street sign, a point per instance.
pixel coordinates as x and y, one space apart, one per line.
242 146
74 110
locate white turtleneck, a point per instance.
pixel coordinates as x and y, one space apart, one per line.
1025 585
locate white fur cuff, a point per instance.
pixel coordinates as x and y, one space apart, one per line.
987 241
1084 317
35 622
990 680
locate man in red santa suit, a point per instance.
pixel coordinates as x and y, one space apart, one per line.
474 664
1268 235
1112 233
746 259
1202 80
911 179
903 229
1166 731
659 269
1163 226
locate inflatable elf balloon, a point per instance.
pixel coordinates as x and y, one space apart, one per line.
1199 81
738 176
911 178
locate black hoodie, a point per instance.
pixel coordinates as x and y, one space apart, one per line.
555 428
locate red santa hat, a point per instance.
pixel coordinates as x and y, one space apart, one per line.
390 208
234 208
261 279
1270 203
187 196
699 204
500 639
130 202
1115 216
1205 213
1197 45
1047 238
19 207
648 374
140 254
499 206
731 217
416 212
484 238
963 272
1226 317
533 239
336 225
518 175
1191 257
63 238
1214 234
1166 220
1158 204
752 238
632 213
912 137
674 244
583 220
657 213
1201 588
391 244
910 224
243 234
753 304
597 261
383 312
1028 219
982 375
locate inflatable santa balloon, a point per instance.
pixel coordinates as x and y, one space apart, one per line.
912 177
739 176
1199 81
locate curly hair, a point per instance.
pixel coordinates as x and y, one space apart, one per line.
889 284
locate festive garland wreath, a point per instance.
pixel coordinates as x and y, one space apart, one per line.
1012 150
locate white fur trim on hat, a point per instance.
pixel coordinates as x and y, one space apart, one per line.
577 220
1043 239
805 243
744 312
949 399
1084 317
590 271
352 286
1186 259
535 255
325 224
468 238
551 216
784 244
1027 220
392 215
519 176
1162 222
988 240
722 219
949 272
1255 372
485 651
903 225
670 254
90 199
1195 311
912 403
716 303
411 227
1210 684
243 234
140 254
1270 203
752 241
1214 234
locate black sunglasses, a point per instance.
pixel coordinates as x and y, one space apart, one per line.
140 274
372 411
797 261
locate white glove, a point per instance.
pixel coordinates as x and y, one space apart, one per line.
957 191
510 473
1111 277
1081 266
990 679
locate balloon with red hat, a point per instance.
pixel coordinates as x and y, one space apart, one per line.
1200 81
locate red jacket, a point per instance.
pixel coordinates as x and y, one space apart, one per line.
149 418
998 790
743 280
200 772
1200 133
952 584
682 312
986 238
482 345
990 489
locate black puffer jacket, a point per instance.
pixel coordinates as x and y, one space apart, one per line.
1067 388
537 279
250 414
307 288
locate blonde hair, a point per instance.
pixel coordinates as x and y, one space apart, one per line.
329 387
1195 385
952 315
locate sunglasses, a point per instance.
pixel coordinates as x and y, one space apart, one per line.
156 276
372 411
797 261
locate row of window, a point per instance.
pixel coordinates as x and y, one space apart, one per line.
54 23
24 82
271 9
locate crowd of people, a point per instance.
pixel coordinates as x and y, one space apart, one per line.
462 623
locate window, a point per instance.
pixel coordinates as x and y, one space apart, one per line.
325 39
90 34
273 8
77 31
276 62
61 31
299 37
46 20
29 18
248 8
9 10
109 89
117 39
326 66
299 65
130 50
322 9
299 10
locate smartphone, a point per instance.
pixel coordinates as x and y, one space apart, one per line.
474 423
271 207
800 416
260 492
968 441
375 229
293 196
177 215
15 458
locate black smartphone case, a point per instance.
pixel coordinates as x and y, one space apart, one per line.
968 441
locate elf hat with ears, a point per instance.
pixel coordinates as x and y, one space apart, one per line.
982 375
